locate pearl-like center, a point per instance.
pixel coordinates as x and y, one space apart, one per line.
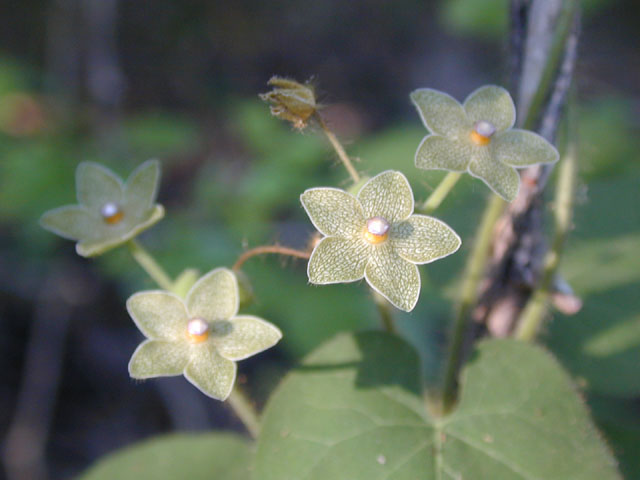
111 213
377 230
482 132
197 330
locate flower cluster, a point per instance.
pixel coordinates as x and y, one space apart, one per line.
109 212
201 337
478 137
375 235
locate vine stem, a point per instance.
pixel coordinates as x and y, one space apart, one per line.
292 252
534 312
472 275
245 411
337 146
440 193
386 313
149 265
237 400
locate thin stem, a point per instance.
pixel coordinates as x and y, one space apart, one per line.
440 193
535 310
472 275
346 161
292 252
245 411
149 264
386 312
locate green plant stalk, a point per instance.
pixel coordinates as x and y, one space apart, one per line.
386 312
149 265
337 146
245 411
237 400
493 210
440 193
473 273
535 311
553 61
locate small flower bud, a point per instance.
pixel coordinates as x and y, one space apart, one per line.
292 101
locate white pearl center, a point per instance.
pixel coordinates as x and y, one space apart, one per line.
484 128
197 327
377 226
109 210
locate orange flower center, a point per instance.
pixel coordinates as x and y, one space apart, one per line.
377 230
111 213
197 330
482 132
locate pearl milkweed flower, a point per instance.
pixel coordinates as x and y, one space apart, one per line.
200 337
376 236
477 137
109 211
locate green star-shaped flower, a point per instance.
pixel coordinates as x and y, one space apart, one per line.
477 137
376 236
201 337
110 212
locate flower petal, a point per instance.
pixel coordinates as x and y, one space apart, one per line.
210 373
157 358
522 148
338 260
159 315
244 336
393 277
115 236
441 113
387 195
214 296
74 222
493 104
141 188
333 211
423 239
441 153
97 185
500 178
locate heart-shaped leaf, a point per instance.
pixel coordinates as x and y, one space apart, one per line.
193 456
354 410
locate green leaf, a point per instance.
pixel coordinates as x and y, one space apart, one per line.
354 409
195 456
620 422
601 344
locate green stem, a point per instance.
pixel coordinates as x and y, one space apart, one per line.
337 146
472 275
535 310
149 264
440 193
245 411
386 312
